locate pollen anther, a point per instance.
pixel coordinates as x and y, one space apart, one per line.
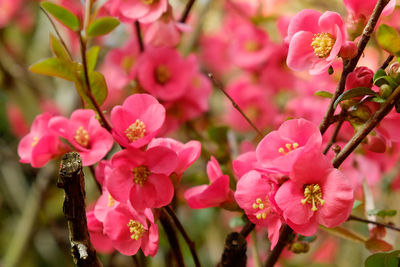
289 148
136 130
323 44
136 229
313 196
140 174
82 136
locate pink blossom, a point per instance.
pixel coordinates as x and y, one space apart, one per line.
244 163
18 124
215 194
130 230
255 193
102 171
132 10
359 9
41 144
85 133
164 72
8 9
315 40
279 149
316 193
142 177
137 121
99 240
104 204
360 77
214 53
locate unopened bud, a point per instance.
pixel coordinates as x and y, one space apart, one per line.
300 247
348 50
385 91
393 70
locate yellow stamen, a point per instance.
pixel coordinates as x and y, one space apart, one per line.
262 207
111 201
140 174
289 147
162 74
35 141
136 130
323 44
82 136
136 229
313 196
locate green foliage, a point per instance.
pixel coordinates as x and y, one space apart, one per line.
92 56
58 49
102 26
62 14
389 39
323 94
355 92
383 213
383 259
378 74
55 67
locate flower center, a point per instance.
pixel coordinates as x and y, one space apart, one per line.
262 208
322 44
140 174
111 201
127 63
252 112
35 141
313 196
149 2
251 46
162 74
289 147
82 137
136 229
136 130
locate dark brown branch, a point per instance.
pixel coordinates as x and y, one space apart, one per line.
72 181
139 36
387 62
172 238
88 86
186 12
247 228
349 66
234 104
355 218
284 239
188 241
234 251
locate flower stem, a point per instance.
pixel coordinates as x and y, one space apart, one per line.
139 36
355 218
186 12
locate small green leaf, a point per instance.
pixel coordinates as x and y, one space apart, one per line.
62 14
102 26
378 100
383 259
345 233
99 87
383 213
356 204
218 134
386 80
91 56
54 67
323 94
379 73
388 38
355 92
58 49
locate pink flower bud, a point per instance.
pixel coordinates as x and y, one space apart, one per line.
360 77
348 50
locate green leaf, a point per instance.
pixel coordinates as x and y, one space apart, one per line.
383 259
345 233
91 57
218 134
383 213
388 38
323 94
386 80
356 204
58 49
378 100
102 26
62 14
355 92
397 106
379 73
54 67
99 87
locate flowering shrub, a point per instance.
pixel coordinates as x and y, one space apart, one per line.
198 119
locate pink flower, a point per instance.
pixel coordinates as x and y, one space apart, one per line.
359 9
279 149
130 230
40 144
130 10
102 171
85 133
244 163
316 193
315 40
137 121
8 9
164 73
215 194
104 204
360 77
142 177
187 153
255 194
99 240
18 124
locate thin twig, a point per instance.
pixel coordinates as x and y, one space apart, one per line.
349 66
186 12
57 32
284 238
247 228
387 62
139 36
334 135
188 241
355 218
72 181
234 104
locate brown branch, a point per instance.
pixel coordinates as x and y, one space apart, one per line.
284 239
139 36
349 66
332 140
234 254
247 228
88 86
186 12
172 238
72 181
234 104
355 218
188 241
387 62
